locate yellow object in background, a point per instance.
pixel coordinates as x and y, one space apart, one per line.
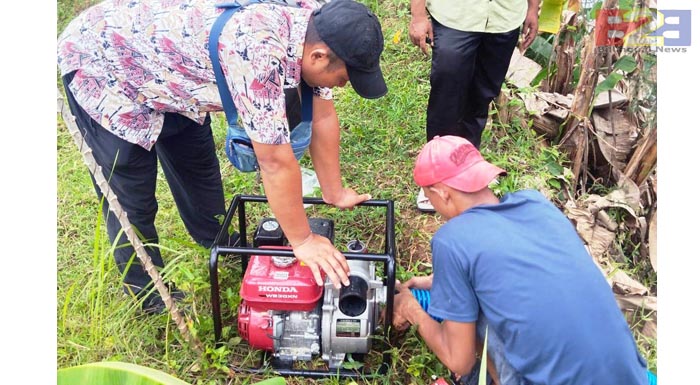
397 37
550 15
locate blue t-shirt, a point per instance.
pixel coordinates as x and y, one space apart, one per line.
523 263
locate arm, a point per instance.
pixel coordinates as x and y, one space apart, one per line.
452 342
282 180
423 283
531 24
324 149
279 168
421 26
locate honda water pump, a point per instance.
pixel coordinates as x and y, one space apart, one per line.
284 313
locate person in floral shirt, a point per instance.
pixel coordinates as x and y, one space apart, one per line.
139 80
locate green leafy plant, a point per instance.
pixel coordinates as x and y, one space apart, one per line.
124 373
622 67
115 373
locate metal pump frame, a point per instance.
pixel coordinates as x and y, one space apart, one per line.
222 247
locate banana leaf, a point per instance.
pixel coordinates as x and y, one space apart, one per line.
123 373
550 15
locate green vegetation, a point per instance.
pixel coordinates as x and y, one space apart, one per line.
96 321
124 373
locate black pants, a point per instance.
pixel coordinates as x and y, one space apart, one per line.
187 156
468 69
292 103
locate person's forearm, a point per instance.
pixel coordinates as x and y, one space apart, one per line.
491 368
282 181
533 6
435 336
418 8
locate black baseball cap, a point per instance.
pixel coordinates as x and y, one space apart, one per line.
353 33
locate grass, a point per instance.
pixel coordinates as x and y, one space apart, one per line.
380 139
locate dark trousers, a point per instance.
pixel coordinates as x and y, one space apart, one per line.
292 104
468 69
188 158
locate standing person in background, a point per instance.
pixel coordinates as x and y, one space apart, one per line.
472 42
140 82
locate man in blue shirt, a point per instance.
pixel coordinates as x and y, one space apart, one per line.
516 265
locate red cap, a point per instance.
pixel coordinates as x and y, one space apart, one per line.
455 162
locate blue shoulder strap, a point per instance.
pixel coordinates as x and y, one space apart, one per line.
226 98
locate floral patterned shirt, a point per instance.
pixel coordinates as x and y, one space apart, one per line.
135 60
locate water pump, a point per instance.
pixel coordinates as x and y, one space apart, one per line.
284 313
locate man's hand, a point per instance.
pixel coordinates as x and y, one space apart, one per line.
423 283
421 32
347 199
318 253
530 27
404 304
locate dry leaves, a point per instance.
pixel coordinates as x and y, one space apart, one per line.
598 231
610 139
616 135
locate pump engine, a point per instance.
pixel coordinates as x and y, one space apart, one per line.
284 311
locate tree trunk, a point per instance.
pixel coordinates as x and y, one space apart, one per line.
575 139
643 161
565 52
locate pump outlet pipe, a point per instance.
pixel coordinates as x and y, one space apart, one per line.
423 298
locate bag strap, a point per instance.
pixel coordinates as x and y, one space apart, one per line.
226 98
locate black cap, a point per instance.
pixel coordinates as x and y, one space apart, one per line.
353 33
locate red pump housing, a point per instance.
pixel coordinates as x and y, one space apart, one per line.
269 287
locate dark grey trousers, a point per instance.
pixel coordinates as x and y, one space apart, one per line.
468 69
188 158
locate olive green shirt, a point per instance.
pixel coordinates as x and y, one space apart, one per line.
491 16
